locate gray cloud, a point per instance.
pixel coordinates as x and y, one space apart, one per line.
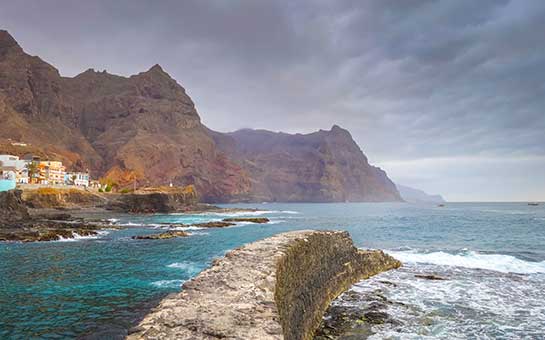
412 80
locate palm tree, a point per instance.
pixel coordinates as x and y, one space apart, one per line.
32 168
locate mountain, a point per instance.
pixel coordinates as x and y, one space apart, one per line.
323 166
412 195
144 129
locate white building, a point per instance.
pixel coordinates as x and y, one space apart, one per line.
77 178
14 168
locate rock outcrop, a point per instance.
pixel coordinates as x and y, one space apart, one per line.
144 130
277 288
162 236
12 207
156 200
17 224
46 198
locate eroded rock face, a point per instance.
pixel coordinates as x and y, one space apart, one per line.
44 198
12 208
324 166
277 288
155 201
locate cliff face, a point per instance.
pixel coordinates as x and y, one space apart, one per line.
145 129
325 166
12 208
277 288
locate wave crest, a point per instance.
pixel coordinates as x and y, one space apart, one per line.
472 259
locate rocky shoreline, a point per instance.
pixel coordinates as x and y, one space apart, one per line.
55 214
276 288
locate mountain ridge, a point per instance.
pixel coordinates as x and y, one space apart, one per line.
145 130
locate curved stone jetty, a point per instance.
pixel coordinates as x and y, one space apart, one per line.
277 288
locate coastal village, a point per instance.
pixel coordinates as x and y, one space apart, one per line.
31 171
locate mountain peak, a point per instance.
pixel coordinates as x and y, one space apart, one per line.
156 69
7 43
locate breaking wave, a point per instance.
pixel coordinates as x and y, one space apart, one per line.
472 259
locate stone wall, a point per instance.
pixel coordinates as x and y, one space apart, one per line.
277 288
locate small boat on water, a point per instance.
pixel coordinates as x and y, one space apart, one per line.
441 205
533 203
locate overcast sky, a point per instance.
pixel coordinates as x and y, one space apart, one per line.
446 96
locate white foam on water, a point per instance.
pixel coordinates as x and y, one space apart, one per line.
472 259
76 237
251 213
189 267
186 228
469 304
168 283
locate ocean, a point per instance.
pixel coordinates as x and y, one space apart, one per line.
492 256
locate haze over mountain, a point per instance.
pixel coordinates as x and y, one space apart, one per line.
437 92
413 195
145 130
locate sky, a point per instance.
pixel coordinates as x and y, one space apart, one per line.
445 96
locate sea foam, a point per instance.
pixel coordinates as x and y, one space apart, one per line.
472 259
168 283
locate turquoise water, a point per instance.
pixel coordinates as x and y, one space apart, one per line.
493 255
6 184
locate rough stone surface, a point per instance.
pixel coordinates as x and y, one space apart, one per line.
277 288
156 201
45 198
12 207
324 166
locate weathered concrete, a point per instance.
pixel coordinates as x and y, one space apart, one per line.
277 288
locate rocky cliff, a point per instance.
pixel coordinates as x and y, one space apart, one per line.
12 208
277 288
145 130
324 166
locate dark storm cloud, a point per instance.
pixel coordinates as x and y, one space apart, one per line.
412 80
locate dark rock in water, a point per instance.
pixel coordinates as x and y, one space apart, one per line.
353 315
389 283
16 224
430 277
162 236
376 317
247 219
215 224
